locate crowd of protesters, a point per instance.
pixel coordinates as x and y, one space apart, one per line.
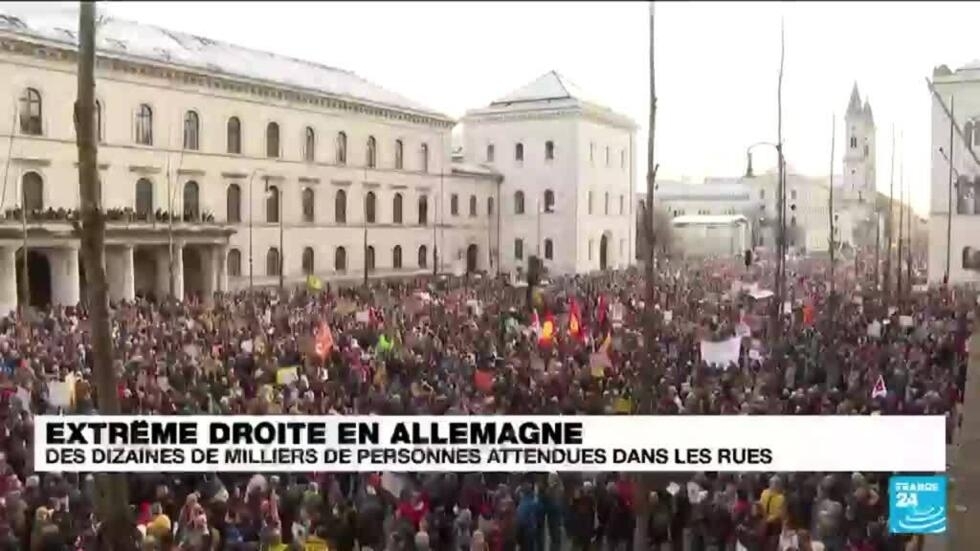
473 346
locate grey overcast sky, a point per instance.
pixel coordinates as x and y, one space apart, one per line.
717 65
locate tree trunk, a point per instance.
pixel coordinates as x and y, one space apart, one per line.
116 531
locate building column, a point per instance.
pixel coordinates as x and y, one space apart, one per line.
222 265
8 281
209 265
65 290
120 273
163 271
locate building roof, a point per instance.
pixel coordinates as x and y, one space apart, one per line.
122 39
459 167
549 86
854 105
718 189
708 219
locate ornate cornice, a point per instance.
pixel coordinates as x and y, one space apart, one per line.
39 49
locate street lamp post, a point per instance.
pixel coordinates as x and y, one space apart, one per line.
949 214
251 219
781 223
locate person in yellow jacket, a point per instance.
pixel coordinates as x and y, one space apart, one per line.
773 504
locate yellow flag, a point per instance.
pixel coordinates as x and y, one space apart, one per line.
314 283
623 405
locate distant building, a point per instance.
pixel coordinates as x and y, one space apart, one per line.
711 234
567 165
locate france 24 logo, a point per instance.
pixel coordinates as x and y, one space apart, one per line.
917 504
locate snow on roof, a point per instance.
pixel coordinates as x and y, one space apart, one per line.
709 190
549 86
708 219
127 39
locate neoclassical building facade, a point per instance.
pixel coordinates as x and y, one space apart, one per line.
223 166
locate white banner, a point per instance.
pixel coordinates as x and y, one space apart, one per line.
279 443
722 353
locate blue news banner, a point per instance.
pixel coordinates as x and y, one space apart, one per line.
917 504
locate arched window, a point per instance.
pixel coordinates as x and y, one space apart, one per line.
308 265
98 121
519 202
423 210
340 259
144 125
272 205
233 205
454 204
489 206
519 152
423 256
549 150
371 159
192 131
590 202
30 112
399 155
234 263
549 200
369 258
549 249
340 207
192 201
396 209
396 257
234 136
33 191
144 199
424 152
309 147
370 207
272 264
519 249
309 205
622 204
490 153
272 140
472 205
341 148
606 203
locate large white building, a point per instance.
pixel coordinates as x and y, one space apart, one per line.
567 167
274 167
954 242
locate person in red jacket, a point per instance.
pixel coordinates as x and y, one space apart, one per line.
414 509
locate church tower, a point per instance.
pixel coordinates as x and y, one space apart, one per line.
859 153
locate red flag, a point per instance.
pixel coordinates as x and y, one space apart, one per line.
602 311
547 331
575 320
809 313
483 381
323 340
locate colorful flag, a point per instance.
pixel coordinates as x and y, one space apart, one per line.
575 320
323 342
547 335
314 283
384 345
879 390
483 381
809 313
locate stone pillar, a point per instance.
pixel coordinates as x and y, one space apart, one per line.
120 273
65 288
8 281
209 265
222 265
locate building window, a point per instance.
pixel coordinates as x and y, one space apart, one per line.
519 202
519 249
309 146
309 205
549 150
792 194
340 259
607 155
549 249
489 206
622 247
192 202
454 205
591 246
424 153
399 155
144 125
234 138
490 153
396 257
144 199
272 264
606 204
549 200
33 192
234 204
974 136
340 207
308 264
192 131
234 263
590 202
371 156
762 195
854 142
622 205
622 158
472 206
369 258
99 135
370 207
519 152
591 152
30 112
792 221
272 140
396 209
423 256
423 210
341 148
272 205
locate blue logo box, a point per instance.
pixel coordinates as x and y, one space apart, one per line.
917 504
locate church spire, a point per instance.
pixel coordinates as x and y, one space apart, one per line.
867 111
854 106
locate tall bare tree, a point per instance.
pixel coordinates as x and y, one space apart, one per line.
830 216
780 282
889 227
113 499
